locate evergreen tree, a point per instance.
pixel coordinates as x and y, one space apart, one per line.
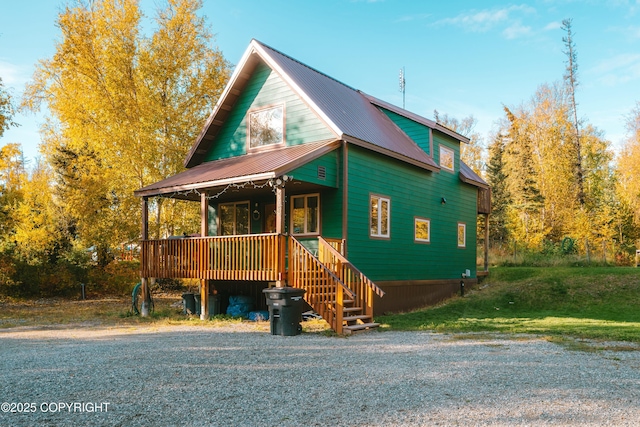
524 213
571 84
497 179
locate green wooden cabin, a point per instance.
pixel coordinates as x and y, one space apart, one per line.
294 155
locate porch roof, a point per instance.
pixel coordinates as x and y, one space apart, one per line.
250 167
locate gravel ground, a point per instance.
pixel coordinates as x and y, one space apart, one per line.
243 376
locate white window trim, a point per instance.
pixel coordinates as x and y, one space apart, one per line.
464 243
453 158
284 127
379 235
415 227
305 197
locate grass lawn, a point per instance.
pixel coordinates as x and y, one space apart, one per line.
601 303
580 302
116 312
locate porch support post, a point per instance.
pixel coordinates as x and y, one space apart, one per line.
345 197
486 243
146 295
280 210
204 231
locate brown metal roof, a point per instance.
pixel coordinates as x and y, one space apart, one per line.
470 177
417 118
349 113
250 167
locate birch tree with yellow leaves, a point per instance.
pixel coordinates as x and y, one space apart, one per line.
628 185
125 108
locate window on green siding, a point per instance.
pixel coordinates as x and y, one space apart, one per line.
422 230
380 210
462 235
266 127
234 218
305 217
446 158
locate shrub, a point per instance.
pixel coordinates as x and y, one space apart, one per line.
116 278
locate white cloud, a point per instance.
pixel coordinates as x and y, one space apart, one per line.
617 70
516 30
409 18
551 26
13 75
633 32
485 20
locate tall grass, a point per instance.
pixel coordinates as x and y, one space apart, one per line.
595 302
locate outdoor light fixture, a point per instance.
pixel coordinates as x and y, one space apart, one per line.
443 201
280 181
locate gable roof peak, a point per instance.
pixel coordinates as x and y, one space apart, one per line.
256 42
349 114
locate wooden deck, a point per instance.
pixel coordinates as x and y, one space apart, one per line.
335 289
250 257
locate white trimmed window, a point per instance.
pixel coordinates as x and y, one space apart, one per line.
305 214
422 227
266 127
446 158
379 214
462 235
233 218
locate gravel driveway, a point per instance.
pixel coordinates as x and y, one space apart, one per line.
243 376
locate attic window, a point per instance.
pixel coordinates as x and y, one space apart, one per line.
266 127
322 172
446 158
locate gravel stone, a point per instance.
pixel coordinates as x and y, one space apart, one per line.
242 376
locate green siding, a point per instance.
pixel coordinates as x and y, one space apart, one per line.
413 192
330 198
419 133
265 88
309 172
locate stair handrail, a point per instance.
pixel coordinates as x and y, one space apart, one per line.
326 269
327 298
349 265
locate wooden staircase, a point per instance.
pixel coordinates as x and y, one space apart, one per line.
335 289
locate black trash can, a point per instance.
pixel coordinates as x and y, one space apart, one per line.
188 303
198 303
214 305
285 310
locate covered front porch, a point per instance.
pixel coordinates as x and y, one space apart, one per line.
264 227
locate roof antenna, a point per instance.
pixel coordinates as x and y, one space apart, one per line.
402 85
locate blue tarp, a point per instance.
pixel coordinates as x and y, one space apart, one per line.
259 316
240 306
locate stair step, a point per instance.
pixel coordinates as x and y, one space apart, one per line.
351 309
358 328
345 304
356 317
333 301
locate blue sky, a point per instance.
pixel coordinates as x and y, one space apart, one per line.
460 57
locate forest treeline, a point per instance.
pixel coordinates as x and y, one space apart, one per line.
125 104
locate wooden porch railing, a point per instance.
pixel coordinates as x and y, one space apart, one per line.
349 275
337 244
247 257
329 280
325 292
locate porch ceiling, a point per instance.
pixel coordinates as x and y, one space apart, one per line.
256 167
